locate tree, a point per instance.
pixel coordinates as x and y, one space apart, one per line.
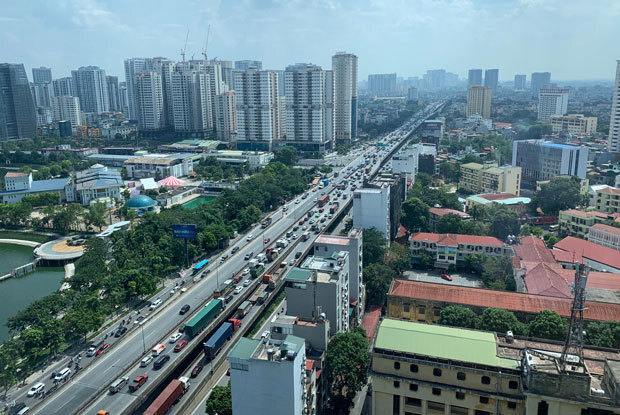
450 223
603 334
560 193
451 172
347 363
9 358
458 316
286 155
548 325
497 273
220 401
373 246
207 240
95 215
504 222
348 225
377 279
397 257
550 240
500 321
424 179
415 215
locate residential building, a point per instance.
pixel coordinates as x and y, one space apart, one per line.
543 160
320 286
382 84
63 86
520 81
397 194
65 129
82 153
227 79
17 185
244 65
149 100
91 87
613 141
309 92
256 94
42 75
412 94
98 182
597 257
539 80
67 108
479 101
226 116
42 94
123 98
160 165
578 223
265 379
18 119
406 162
552 101
113 93
435 78
438 212
483 373
491 77
605 235
371 209
432 131
450 249
489 178
573 124
344 67
191 101
133 67
474 77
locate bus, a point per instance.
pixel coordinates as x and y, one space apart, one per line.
200 266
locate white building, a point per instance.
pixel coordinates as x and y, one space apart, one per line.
552 101
226 116
41 75
133 67
613 140
344 66
91 87
63 86
98 182
573 124
42 93
191 101
160 165
371 209
605 235
244 65
67 108
268 379
150 101
17 185
256 159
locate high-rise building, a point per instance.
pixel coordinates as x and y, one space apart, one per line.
344 66
412 94
490 178
382 84
112 82
226 116
41 75
164 67
247 64
520 82
491 77
133 67
63 86
552 101
539 80
227 70
614 121
309 107
479 101
191 101
256 94
150 101
371 209
475 77
42 94
67 108
435 78
91 87
123 98
18 118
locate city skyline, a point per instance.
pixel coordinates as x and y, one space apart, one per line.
457 35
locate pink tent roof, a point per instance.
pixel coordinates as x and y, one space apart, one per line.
170 181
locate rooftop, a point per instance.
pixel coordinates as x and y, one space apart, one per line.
332 240
39 186
583 214
298 274
455 239
606 228
244 348
589 250
441 342
16 174
446 211
610 190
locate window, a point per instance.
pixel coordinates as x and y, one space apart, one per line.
436 312
405 308
396 365
435 406
460 395
543 408
436 391
413 368
458 410
396 384
413 387
513 384
479 412
396 405
484 399
437 372
512 405
413 401
421 310
460 375
486 380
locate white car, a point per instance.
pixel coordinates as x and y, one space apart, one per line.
175 337
291 262
155 303
36 389
265 336
238 290
246 283
246 271
91 352
297 201
250 237
294 236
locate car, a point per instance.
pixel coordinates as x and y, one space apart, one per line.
237 290
266 240
235 249
323 219
314 190
250 237
36 389
291 262
184 309
303 228
297 201
228 372
248 255
285 208
265 336
294 236
246 283
245 271
160 362
91 351
120 331
180 345
297 254
446 277
103 348
63 375
305 195
138 381
321 210
224 257
311 222
146 360
155 303
175 337
196 371
295 228
139 319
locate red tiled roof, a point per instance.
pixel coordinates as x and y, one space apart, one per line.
16 174
583 214
612 190
370 321
607 228
402 231
596 279
590 250
445 211
309 364
480 297
453 238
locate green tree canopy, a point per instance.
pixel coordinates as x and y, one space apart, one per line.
603 334
503 221
373 246
397 257
560 193
548 325
220 401
415 215
450 223
286 155
500 320
377 278
459 316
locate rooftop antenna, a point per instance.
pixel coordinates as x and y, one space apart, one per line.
574 338
185 46
204 51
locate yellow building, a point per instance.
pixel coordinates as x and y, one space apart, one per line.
577 223
479 101
489 178
574 124
607 200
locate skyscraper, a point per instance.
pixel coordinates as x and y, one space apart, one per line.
226 116
475 77
344 66
150 101
42 94
91 87
18 118
227 68
552 101
479 101
133 67
491 77
67 108
382 84
614 121
309 107
63 86
436 78
123 98
112 82
191 100
41 75
247 64
520 82
539 80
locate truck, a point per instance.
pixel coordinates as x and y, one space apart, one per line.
333 208
168 397
217 340
325 182
257 270
272 253
261 257
272 279
224 288
257 293
305 236
266 222
263 297
204 317
243 309
281 243
323 200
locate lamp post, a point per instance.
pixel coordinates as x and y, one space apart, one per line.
143 342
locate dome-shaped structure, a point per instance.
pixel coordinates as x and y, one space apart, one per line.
141 203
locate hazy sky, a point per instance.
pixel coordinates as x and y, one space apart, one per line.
573 39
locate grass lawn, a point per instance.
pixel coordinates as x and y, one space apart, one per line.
26 236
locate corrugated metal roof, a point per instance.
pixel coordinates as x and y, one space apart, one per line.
298 274
243 349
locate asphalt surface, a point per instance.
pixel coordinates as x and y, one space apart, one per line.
463 280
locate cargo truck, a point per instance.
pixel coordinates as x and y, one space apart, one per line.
254 272
168 397
305 236
261 257
325 182
243 309
257 293
281 243
217 340
323 200
333 208
272 253
203 318
265 223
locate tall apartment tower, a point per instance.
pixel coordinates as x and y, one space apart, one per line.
133 67
67 108
520 82
539 80
256 95
491 77
123 98
150 101
112 82
475 77
309 107
614 121
552 101
479 101
41 75
191 101
42 94
90 86
382 84
18 118
226 116
344 66
63 86
247 64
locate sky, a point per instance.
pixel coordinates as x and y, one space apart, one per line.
573 39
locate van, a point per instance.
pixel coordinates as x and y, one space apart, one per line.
160 362
289 234
155 303
118 384
158 349
63 375
145 362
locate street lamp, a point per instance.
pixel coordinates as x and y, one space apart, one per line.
143 342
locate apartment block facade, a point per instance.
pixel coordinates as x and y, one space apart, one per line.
489 178
573 124
607 200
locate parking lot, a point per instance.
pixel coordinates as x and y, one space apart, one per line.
435 276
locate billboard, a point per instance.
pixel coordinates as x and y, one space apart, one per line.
184 231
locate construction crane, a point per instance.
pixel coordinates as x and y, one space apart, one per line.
184 46
204 51
573 347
